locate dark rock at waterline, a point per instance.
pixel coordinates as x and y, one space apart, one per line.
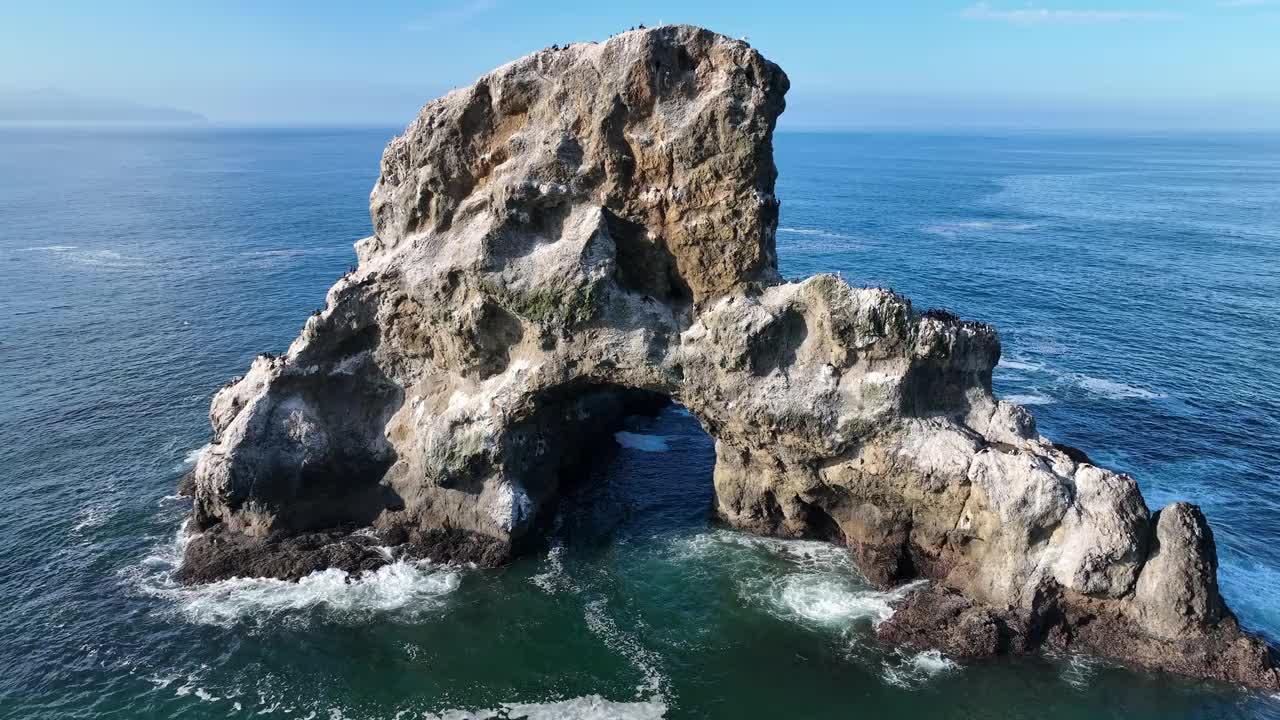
1074 453
1175 622
220 554
943 619
187 485
940 618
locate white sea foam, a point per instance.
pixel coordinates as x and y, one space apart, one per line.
824 589
808 240
162 681
815 232
1029 399
1111 389
552 579
1098 387
644 660
403 587
205 695
952 229
908 671
761 582
587 707
190 459
1020 365
95 515
807 554
932 662
1078 671
643 443
1032 343
84 256
826 599
650 694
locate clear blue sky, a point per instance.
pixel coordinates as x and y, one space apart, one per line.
1084 63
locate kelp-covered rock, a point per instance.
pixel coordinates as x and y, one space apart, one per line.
589 231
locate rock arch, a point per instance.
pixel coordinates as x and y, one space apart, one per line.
594 226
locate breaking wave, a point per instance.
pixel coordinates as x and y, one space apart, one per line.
825 599
404 588
190 459
912 670
819 584
399 586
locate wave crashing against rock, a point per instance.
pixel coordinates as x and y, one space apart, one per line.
590 230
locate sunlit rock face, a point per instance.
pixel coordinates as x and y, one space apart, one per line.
588 232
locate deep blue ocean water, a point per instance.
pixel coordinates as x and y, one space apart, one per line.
1135 281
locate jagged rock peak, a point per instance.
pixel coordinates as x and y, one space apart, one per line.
589 232
667 131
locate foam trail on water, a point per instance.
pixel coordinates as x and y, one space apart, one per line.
587 707
93 516
84 256
815 232
1020 365
952 229
646 661
1029 399
1113 390
805 553
552 579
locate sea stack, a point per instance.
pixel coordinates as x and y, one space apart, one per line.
589 230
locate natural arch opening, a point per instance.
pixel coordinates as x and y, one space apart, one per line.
597 458
651 476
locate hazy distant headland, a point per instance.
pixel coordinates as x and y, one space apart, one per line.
58 107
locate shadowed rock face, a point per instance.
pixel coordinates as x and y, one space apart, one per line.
589 231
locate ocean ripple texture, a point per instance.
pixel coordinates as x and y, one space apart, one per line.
1135 281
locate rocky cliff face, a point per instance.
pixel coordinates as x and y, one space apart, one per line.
589 230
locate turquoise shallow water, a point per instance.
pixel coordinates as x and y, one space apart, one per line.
1135 280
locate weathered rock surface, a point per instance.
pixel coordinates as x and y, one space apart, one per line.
590 230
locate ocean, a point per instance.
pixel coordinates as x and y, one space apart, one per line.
1135 281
